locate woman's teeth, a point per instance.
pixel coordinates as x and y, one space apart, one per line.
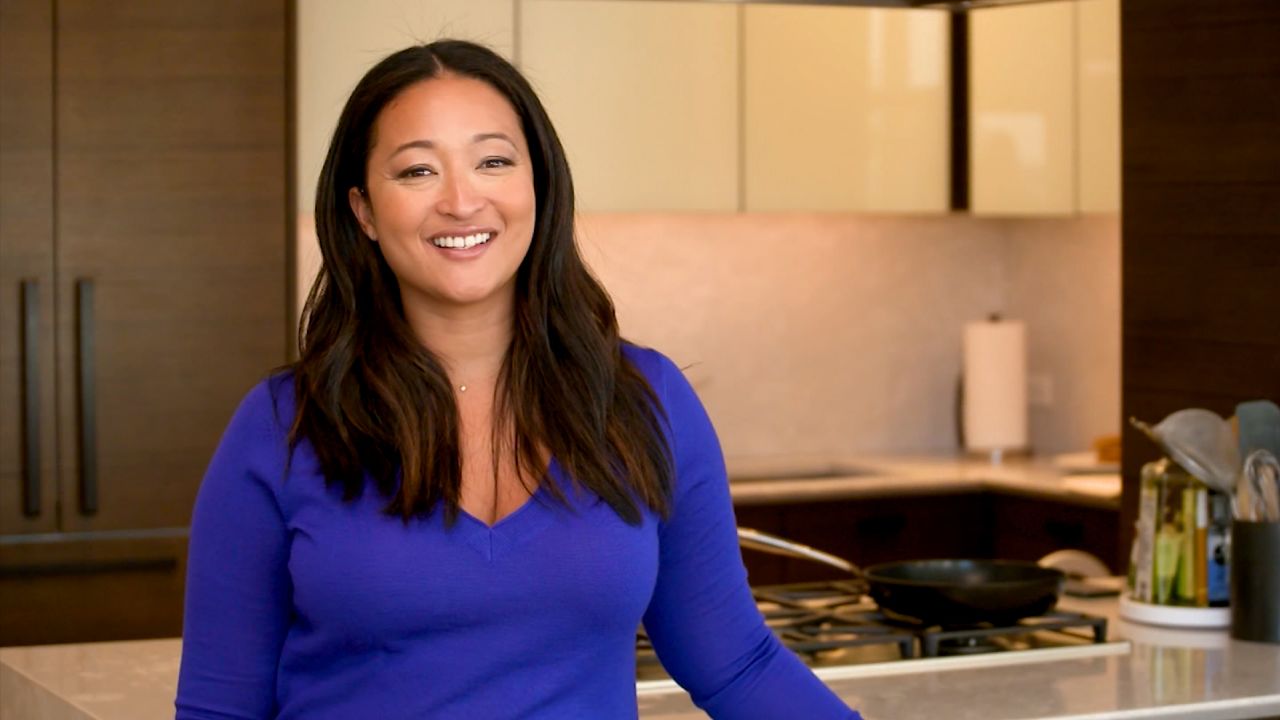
461 241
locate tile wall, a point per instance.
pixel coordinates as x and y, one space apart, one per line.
840 334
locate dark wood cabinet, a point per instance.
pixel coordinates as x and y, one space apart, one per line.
1025 528
885 529
877 530
143 182
28 486
763 568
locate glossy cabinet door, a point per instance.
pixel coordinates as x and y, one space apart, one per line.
28 491
171 213
1045 109
846 109
1022 134
644 96
1098 105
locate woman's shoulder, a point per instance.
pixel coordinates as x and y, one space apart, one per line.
666 378
656 367
267 409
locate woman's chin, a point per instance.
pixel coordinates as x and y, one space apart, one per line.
470 296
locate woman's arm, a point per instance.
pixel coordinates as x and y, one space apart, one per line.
238 588
702 619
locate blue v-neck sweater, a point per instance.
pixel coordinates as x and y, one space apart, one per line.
300 605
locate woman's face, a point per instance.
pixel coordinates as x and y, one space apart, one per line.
449 196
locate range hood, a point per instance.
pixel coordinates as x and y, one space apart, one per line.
953 5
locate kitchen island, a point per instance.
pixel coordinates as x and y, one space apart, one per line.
1157 673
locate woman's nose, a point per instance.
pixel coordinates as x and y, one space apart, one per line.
459 196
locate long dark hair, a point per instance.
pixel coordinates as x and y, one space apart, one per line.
370 398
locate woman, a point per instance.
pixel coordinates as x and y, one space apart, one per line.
468 492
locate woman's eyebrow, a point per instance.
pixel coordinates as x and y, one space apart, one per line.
429 145
423 144
481 137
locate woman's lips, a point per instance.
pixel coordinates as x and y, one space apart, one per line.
464 245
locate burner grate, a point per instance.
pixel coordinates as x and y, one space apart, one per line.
1068 626
829 621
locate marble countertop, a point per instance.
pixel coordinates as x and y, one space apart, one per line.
783 479
1155 673
1158 673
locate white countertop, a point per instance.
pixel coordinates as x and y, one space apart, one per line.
872 476
1159 673
1164 673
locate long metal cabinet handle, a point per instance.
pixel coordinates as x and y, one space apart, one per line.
31 398
86 398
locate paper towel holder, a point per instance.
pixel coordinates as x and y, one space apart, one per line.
995 456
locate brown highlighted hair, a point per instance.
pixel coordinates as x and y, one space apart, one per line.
371 399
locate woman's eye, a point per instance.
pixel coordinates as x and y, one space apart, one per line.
496 162
417 171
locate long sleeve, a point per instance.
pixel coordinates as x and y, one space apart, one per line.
702 619
238 588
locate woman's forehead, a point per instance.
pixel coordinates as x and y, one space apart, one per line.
448 109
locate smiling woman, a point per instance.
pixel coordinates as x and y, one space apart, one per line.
451 208
469 490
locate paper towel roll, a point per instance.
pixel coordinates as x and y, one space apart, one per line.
995 385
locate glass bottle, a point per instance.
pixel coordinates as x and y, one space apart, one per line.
1173 547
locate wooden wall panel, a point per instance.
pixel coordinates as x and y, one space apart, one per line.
1201 220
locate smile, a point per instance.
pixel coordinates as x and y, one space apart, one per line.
461 241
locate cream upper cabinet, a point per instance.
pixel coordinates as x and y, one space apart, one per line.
846 109
1022 113
644 96
1098 107
1044 108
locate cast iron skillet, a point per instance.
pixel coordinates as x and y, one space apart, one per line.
939 592
964 592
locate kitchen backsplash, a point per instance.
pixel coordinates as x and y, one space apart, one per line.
808 333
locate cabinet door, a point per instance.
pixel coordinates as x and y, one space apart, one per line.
1030 528
846 109
644 97
1022 110
1098 104
83 590
28 500
866 531
171 216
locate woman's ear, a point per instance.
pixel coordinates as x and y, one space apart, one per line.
364 214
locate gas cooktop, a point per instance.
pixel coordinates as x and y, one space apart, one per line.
833 623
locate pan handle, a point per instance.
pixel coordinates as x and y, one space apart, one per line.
764 542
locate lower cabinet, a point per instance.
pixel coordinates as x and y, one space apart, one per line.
1026 528
56 590
867 531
